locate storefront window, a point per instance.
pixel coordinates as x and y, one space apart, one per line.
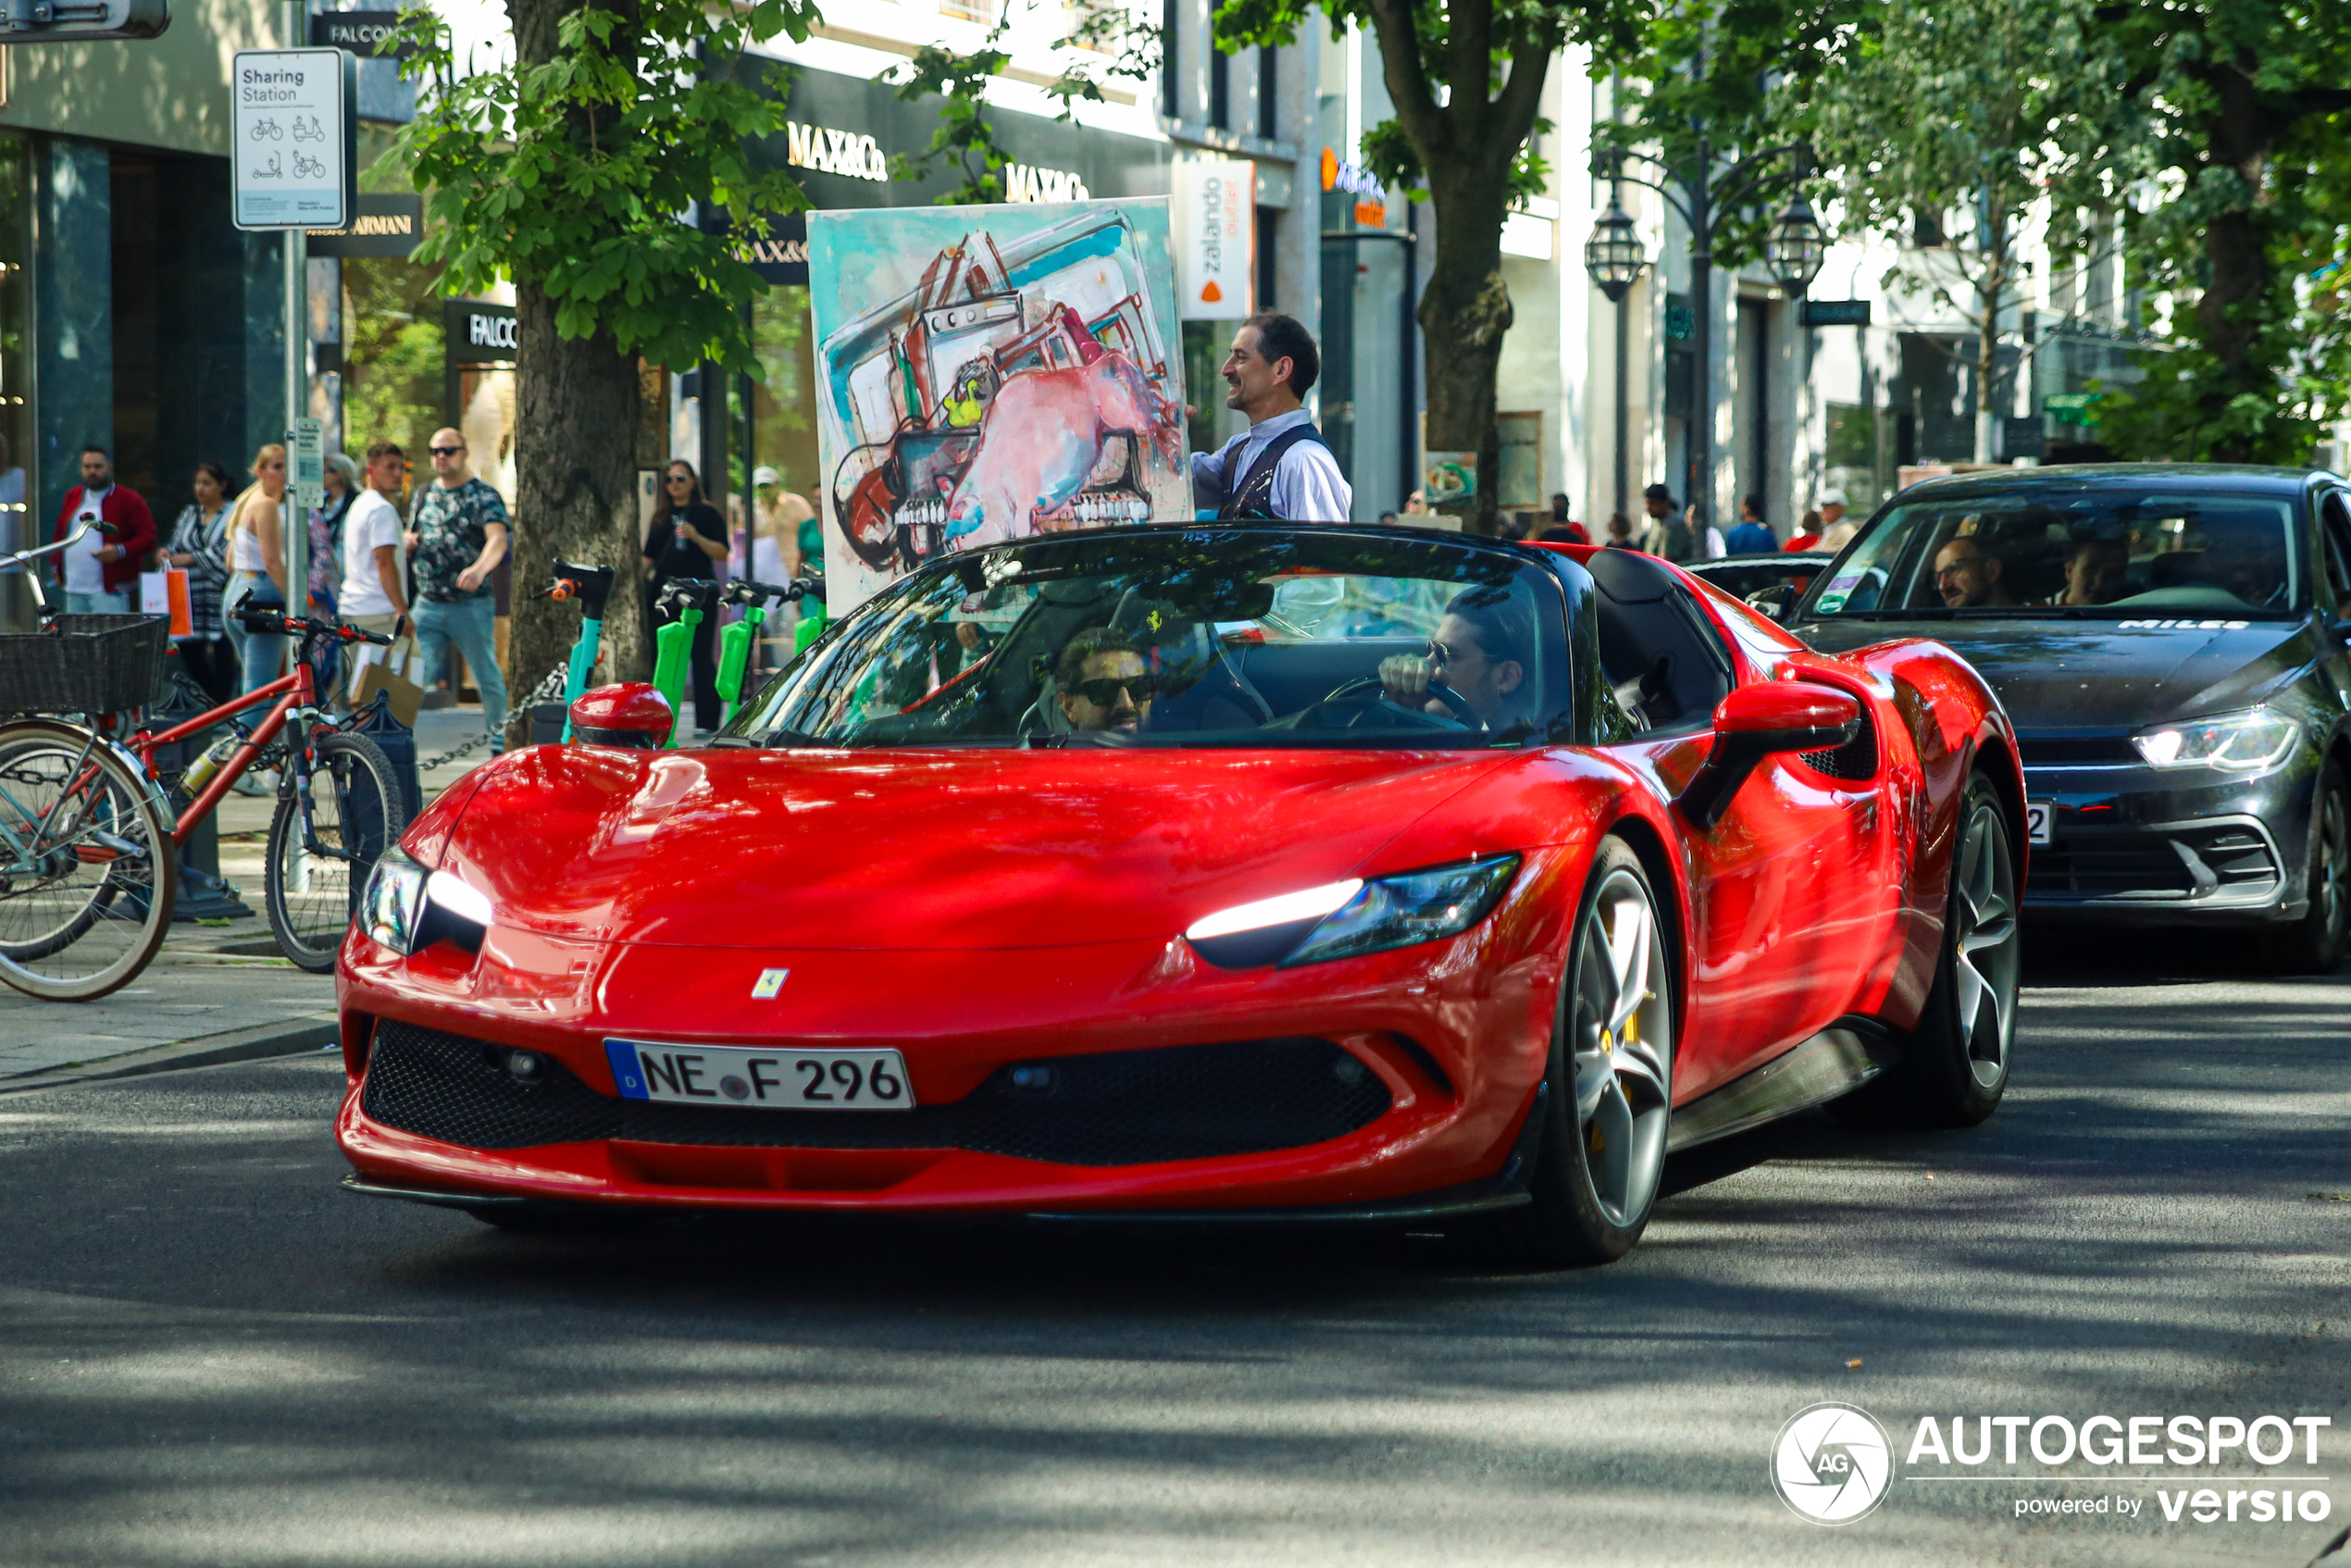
15 372
392 377
776 428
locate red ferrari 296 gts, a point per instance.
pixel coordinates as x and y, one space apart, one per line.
1235 872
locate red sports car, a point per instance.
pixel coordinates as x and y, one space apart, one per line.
1253 874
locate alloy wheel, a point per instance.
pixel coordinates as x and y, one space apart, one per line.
1988 943
1622 1045
2331 845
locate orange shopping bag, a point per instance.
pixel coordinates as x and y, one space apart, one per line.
165 593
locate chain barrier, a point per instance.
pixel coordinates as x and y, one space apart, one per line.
546 691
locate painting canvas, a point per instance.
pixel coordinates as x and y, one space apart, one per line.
986 373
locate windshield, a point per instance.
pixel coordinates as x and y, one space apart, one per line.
2094 554
1223 637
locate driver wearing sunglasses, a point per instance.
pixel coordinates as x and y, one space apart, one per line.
1481 653
1103 682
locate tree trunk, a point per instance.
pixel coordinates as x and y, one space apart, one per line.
1464 312
575 443
2236 258
576 483
1989 290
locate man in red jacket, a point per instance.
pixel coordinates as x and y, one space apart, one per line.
100 572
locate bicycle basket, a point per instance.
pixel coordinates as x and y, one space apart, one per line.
85 664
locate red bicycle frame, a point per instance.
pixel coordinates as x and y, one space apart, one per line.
297 693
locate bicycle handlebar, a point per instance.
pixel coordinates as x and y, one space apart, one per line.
23 556
275 623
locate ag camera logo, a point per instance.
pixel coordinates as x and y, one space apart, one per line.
1832 1463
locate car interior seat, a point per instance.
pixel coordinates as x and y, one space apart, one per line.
1664 663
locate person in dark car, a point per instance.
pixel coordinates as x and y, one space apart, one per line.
2248 562
2094 572
1103 682
1482 651
1967 575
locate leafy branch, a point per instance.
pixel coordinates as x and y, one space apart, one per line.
570 174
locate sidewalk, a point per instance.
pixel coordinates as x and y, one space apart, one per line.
214 992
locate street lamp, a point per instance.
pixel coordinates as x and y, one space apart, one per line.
1795 247
1709 191
1614 254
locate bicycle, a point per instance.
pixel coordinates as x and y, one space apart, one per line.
88 843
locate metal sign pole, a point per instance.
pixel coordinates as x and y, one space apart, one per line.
294 522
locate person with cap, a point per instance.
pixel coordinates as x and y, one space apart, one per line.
1280 467
1834 529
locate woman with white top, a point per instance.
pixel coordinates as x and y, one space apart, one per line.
258 566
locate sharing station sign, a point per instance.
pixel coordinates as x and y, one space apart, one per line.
292 120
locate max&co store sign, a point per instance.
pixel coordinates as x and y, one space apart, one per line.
855 156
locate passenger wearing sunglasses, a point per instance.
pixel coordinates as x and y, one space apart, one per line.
1482 651
1103 682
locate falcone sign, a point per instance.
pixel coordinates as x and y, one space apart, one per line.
1832 1464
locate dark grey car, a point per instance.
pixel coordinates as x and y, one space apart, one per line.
2174 643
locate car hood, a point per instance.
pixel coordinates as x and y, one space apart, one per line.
901 850
2067 675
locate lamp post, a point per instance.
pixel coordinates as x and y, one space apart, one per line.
1705 190
1615 257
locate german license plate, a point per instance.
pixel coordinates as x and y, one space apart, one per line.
759 1079
2039 817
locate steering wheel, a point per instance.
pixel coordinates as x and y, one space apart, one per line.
1354 694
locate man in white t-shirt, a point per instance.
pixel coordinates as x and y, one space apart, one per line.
371 596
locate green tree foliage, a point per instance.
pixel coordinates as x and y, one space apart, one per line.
1965 131
2245 103
1466 78
1710 82
392 358
570 173
1120 44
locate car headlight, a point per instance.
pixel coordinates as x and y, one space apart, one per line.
408 909
2241 742
1345 919
391 910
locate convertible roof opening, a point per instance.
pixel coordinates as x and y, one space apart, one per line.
1204 637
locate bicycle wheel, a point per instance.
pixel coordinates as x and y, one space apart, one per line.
358 810
88 870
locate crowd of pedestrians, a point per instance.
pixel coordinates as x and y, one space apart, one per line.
395 562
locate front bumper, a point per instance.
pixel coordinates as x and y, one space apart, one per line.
1179 1089
2133 843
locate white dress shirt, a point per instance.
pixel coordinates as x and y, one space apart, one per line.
1308 487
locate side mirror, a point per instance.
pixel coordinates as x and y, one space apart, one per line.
630 714
1758 721
1774 602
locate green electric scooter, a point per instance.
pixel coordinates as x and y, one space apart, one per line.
737 640
690 601
591 585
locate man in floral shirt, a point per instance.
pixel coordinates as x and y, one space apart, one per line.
456 538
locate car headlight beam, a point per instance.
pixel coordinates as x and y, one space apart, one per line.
1346 919
2239 742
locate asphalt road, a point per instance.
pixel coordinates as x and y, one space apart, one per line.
211 1356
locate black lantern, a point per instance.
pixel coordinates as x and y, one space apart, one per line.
1795 247
1614 254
